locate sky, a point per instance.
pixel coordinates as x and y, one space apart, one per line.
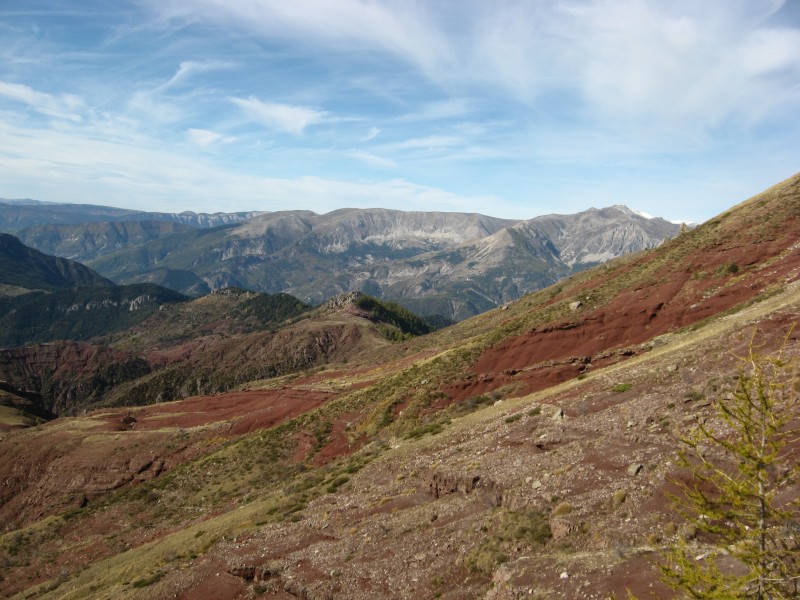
510 108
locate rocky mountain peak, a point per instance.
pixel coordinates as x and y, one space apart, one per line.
342 301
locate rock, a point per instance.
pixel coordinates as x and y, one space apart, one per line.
560 528
672 368
634 469
564 575
575 305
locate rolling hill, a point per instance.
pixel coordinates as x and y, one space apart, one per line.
27 269
45 298
526 452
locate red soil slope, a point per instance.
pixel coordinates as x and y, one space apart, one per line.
733 267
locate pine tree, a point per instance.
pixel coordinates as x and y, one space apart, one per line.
739 497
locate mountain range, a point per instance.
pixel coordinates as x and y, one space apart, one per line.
445 266
21 213
348 451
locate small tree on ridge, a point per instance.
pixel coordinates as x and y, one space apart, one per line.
739 499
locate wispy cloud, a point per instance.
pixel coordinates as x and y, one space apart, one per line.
158 177
372 159
371 134
62 106
205 138
170 99
452 108
429 142
175 98
402 29
188 69
693 64
283 117
684 61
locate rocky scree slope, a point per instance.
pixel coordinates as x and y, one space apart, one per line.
402 478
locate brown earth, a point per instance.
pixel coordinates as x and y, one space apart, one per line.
69 463
405 525
675 297
379 481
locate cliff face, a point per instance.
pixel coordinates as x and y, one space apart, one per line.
595 236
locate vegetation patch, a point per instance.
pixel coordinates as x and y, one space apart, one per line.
428 429
405 322
149 580
507 531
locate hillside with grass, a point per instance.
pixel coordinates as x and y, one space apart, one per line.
210 345
28 269
527 452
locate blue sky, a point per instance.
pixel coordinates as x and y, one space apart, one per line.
509 108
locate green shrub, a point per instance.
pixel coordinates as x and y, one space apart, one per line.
337 483
149 580
564 508
485 558
508 529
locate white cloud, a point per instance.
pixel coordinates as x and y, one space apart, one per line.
155 108
283 117
371 134
686 63
430 142
680 64
155 177
160 103
452 108
771 51
402 29
372 159
189 68
63 106
205 138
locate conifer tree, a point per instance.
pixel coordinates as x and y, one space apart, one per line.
741 499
